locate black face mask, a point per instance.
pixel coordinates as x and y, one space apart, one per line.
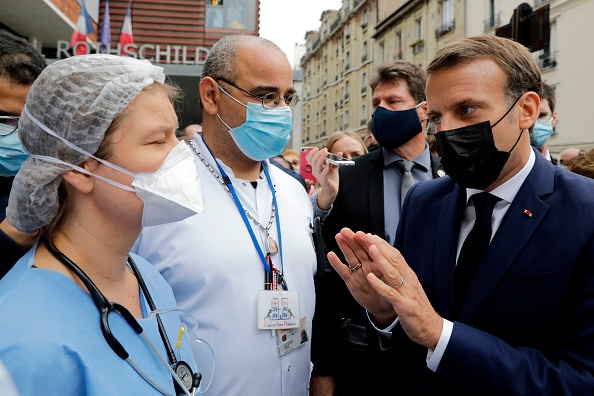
469 155
393 128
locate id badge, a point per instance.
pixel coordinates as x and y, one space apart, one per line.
291 339
278 309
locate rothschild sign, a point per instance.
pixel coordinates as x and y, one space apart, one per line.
169 54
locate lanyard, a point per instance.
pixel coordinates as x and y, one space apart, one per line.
239 206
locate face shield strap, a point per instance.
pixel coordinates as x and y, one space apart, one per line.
73 146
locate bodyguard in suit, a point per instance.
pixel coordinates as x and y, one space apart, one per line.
369 199
509 314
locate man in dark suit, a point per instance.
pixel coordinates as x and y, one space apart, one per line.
516 317
369 200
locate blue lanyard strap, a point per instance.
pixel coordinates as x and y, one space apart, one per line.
239 206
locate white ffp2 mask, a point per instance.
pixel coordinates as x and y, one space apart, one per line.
171 193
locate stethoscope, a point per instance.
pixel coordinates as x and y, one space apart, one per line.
183 372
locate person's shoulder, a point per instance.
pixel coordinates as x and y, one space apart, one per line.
362 164
574 184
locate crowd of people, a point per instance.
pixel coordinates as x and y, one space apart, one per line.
137 262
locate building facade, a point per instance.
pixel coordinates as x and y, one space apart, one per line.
174 34
336 69
413 30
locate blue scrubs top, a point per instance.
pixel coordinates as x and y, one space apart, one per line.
51 340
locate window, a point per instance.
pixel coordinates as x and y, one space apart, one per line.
324 127
347 32
345 119
492 16
364 83
365 20
347 61
364 57
382 51
419 28
363 115
346 90
446 8
447 12
398 45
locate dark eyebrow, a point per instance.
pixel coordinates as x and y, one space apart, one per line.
270 88
5 113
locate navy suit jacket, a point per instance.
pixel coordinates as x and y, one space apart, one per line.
359 206
527 326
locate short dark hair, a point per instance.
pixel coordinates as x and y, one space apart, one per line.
394 71
20 63
548 93
521 71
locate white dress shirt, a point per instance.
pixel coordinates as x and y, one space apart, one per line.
215 273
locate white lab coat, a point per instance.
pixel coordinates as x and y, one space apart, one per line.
215 272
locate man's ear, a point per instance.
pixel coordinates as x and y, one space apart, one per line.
81 181
209 95
422 110
529 110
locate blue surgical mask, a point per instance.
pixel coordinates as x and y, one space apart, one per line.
12 154
265 133
541 132
393 128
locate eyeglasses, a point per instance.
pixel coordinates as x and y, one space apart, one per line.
12 122
543 117
270 100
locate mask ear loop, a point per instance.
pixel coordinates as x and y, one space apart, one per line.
506 113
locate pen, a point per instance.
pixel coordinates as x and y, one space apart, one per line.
268 275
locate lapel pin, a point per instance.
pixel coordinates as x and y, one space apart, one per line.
527 213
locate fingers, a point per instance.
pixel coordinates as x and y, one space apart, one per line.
392 276
339 266
353 251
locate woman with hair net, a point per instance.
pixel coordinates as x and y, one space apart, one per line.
78 313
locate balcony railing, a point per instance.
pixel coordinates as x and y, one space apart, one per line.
418 46
347 66
492 22
363 58
363 90
363 122
547 60
445 28
346 97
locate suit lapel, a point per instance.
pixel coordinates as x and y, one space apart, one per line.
515 231
436 168
375 177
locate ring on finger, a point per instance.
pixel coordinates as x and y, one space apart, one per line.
398 285
356 267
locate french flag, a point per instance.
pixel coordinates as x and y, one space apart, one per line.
126 33
84 27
